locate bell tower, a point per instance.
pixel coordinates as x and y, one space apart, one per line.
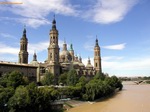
53 50
23 53
97 57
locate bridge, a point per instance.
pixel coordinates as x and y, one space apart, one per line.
140 82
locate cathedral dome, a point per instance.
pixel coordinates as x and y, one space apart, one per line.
75 63
81 64
35 63
89 66
64 53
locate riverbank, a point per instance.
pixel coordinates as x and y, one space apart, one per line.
75 103
133 98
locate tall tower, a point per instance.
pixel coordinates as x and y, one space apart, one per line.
23 53
97 57
53 50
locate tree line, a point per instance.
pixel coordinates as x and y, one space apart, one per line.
100 85
17 94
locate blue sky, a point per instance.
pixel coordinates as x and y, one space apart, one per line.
122 28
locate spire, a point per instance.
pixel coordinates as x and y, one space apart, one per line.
24 33
54 23
89 61
64 45
34 57
71 47
96 42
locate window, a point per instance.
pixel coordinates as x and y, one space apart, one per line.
50 55
96 64
25 60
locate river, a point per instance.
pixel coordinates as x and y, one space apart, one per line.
133 98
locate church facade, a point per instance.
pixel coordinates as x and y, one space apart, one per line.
57 61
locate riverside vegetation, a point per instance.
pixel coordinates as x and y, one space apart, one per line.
18 95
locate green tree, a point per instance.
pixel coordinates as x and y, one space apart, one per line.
5 94
99 75
82 81
90 91
34 96
16 96
13 79
114 82
20 100
48 79
72 78
63 78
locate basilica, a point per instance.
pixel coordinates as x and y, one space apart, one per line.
57 61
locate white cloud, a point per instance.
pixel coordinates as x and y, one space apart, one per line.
6 35
107 58
41 46
116 65
38 47
109 11
34 12
115 47
10 58
34 22
121 67
5 49
41 8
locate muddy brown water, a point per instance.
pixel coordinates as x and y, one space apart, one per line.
133 98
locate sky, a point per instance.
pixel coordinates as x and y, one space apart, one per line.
121 26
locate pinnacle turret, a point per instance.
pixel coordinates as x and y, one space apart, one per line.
24 34
96 42
54 23
34 57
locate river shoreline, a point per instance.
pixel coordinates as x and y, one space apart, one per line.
133 98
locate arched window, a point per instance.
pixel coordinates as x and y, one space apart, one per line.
96 64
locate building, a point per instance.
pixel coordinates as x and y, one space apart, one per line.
57 61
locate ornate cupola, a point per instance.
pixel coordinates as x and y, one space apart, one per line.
89 65
34 61
71 52
34 57
64 46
